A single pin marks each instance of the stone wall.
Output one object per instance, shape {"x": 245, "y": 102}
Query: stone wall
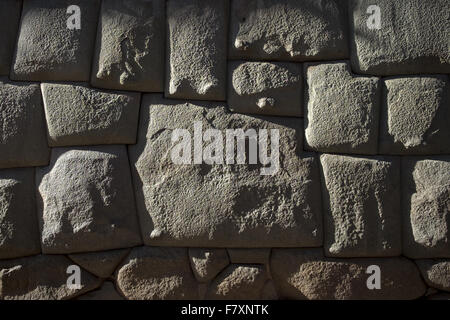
{"x": 91, "y": 93}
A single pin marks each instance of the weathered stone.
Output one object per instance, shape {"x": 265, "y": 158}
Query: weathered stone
{"x": 266, "y": 88}
{"x": 106, "y": 292}
{"x": 196, "y": 39}
{"x": 218, "y": 203}
{"x": 154, "y": 273}
{"x": 436, "y": 273}
{"x": 9, "y": 22}
{"x": 361, "y": 206}
{"x": 47, "y": 49}
{"x": 42, "y": 277}
{"x": 307, "y": 274}
{"x": 19, "y": 233}
{"x": 86, "y": 201}
{"x": 343, "y": 110}
{"x": 130, "y": 44}
{"x": 253, "y": 256}
{"x": 207, "y": 263}
{"x": 412, "y": 38}
{"x": 288, "y": 30}
{"x": 415, "y": 115}
{"x": 79, "y": 115}
{"x": 102, "y": 264}
{"x": 426, "y": 207}
{"x": 23, "y": 140}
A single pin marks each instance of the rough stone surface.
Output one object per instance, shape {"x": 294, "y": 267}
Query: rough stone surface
{"x": 307, "y": 274}
{"x": 106, "y": 292}
{"x": 9, "y": 20}
{"x": 207, "y": 263}
{"x": 426, "y": 207}
{"x": 266, "y": 88}
{"x": 255, "y": 255}
{"x": 79, "y": 115}
{"x": 102, "y": 264}
{"x": 86, "y": 201}
{"x": 361, "y": 206}
{"x": 156, "y": 273}
{"x": 22, "y": 125}
{"x": 130, "y": 44}
{"x": 288, "y": 30}
{"x": 436, "y": 273}
{"x": 343, "y": 110}
{"x": 413, "y": 37}
{"x": 415, "y": 115}
{"x": 47, "y": 49}
{"x": 196, "y": 36}
{"x": 222, "y": 205}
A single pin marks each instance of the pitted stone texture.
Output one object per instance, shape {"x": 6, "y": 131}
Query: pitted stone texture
{"x": 79, "y": 115}
{"x": 288, "y": 30}
{"x": 255, "y": 255}
{"x": 154, "y": 273}
{"x": 42, "y": 277}
{"x": 307, "y": 274}
{"x": 196, "y": 42}
{"x": 361, "y": 206}
{"x": 130, "y": 46}
{"x": 223, "y": 205}
{"x": 426, "y": 207}
{"x": 207, "y": 263}
{"x": 412, "y": 39}
{"x": 19, "y": 233}
{"x": 86, "y": 201}
{"x": 266, "y": 88}
{"x": 415, "y": 115}
{"x": 9, "y": 24}
{"x": 47, "y": 49}
{"x": 343, "y": 110}
{"x": 106, "y": 292}
{"x": 23, "y": 140}
{"x": 436, "y": 273}
{"x": 102, "y": 264}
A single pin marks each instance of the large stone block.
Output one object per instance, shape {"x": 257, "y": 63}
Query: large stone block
{"x": 79, "y": 115}
{"x": 207, "y": 263}
{"x": 196, "y": 42}
{"x": 361, "y": 206}
{"x": 47, "y": 49}
{"x": 209, "y": 202}
{"x": 412, "y": 37}
{"x": 343, "y": 110}
{"x": 436, "y": 273}
{"x": 86, "y": 201}
{"x": 288, "y": 30}
{"x": 130, "y": 46}
{"x": 9, "y": 24}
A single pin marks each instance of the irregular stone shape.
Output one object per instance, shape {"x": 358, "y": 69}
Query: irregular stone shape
{"x": 288, "y": 30}
{"x": 362, "y": 206}
{"x": 415, "y": 115}
{"x": 256, "y": 255}
{"x": 426, "y": 207}
{"x": 9, "y": 20}
{"x": 106, "y": 292}
{"x": 42, "y": 277}
{"x": 436, "y": 273}
{"x": 101, "y": 264}
{"x": 207, "y": 263}
{"x": 154, "y": 273}
{"x": 307, "y": 274}
{"x": 19, "y": 233}
{"x": 343, "y": 110}
{"x": 196, "y": 42}
{"x": 86, "y": 201}
{"x": 47, "y": 49}
{"x": 266, "y": 88}
{"x": 222, "y": 205}
{"x": 79, "y": 115}
{"x": 129, "y": 52}
{"x": 23, "y": 140}
{"x": 412, "y": 38}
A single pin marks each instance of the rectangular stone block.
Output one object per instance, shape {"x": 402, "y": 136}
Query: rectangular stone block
{"x": 9, "y": 24}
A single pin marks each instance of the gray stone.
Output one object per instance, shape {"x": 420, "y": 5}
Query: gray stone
{"x": 79, "y": 115}
{"x": 86, "y": 201}
{"x": 221, "y": 204}
{"x": 47, "y": 49}
{"x": 207, "y": 263}
{"x": 9, "y": 20}
{"x": 426, "y": 207}
{"x": 266, "y": 88}
{"x": 102, "y": 264}
{"x": 288, "y": 30}
{"x": 343, "y": 110}
{"x": 252, "y": 256}
{"x": 436, "y": 273}
{"x": 415, "y": 115}
{"x": 130, "y": 44}
{"x": 412, "y": 39}
{"x": 19, "y": 233}
{"x": 196, "y": 42}
{"x": 106, "y": 292}
{"x": 23, "y": 140}
{"x": 307, "y": 274}
{"x": 153, "y": 273}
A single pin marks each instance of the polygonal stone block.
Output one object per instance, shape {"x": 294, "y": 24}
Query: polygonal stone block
{"x": 435, "y": 272}
{"x": 9, "y": 24}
